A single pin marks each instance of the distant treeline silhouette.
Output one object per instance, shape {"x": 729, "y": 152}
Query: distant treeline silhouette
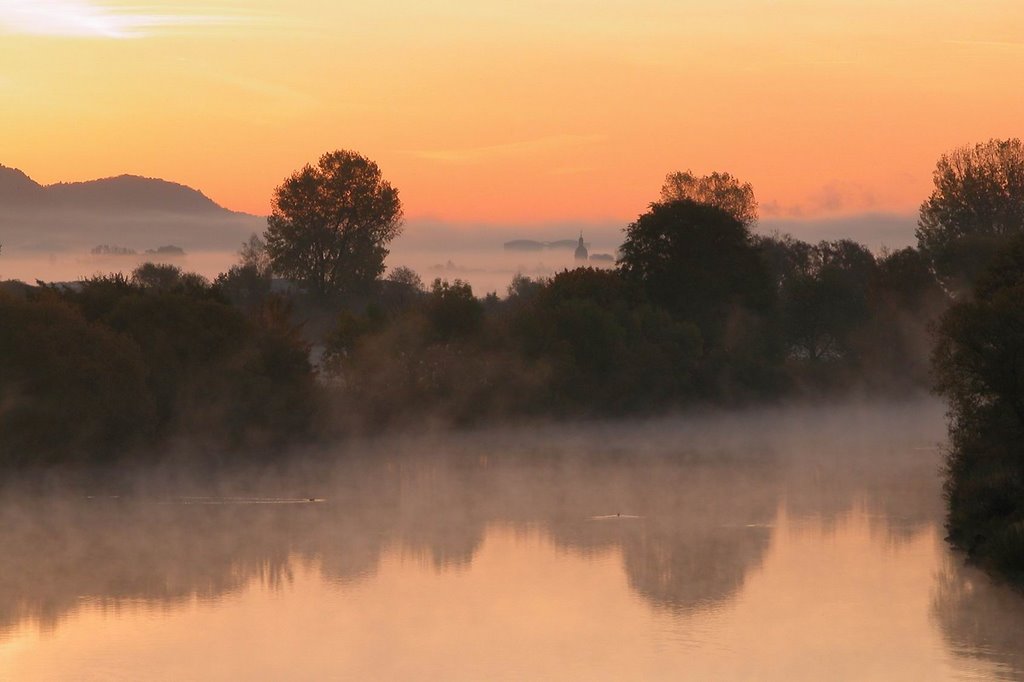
{"x": 699, "y": 310}
{"x": 116, "y": 367}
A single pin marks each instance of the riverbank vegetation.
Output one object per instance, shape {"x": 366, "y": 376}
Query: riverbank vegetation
{"x": 972, "y": 230}
{"x": 979, "y": 362}
{"x": 306, "y": 340}
{"x": 115, "y": 367}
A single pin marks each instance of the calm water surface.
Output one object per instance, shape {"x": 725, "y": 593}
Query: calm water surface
{"x": 778, "y": 545}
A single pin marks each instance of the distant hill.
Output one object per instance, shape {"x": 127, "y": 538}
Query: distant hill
{"x": 126, "y": 209}
{"x": 124, "y": 192}
{"x": 18, "y": 189}
{"x": 131, "y": 192}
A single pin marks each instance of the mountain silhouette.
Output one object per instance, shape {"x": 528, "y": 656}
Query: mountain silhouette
{"x": 127, "y": 210}
{"x": 124, "y": 192}
{"x": 18, "y": 188}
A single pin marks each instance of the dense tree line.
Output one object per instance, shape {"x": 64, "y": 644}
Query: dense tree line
{"x": 711, "y": 314}
{"x": 699, "y": 311}
{"x": 117, "y": 368}
{"x": 304, "y": 339}
{"x": 979, "y": 362}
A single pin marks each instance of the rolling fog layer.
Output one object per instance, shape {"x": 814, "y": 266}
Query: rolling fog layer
{"x": 77, "y": 231}
{"x": 706, "y": 488}
{"x": 692, "y": 505}
{"x": 55, "y": 247}
{"x": 486, "y": 270}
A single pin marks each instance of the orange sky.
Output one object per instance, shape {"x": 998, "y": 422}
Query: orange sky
{"x": 513, "y": 111}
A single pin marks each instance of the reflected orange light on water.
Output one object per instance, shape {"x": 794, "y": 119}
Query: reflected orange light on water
{"x": 839, "y": 601}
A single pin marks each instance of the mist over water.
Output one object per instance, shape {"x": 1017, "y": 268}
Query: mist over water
{"x": 784, "y": 543}
{"x": 58, "y": 249}
{"x": 72, "y": 266}
{"x": 487, "y": 269}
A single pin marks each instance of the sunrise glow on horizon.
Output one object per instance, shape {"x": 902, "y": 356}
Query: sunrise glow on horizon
{"x": 513, "y": 112}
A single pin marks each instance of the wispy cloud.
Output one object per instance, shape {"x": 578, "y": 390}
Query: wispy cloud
{"x": 830, "y": 199}
{"x": 506, "y": 150}
{"x": 95, "y": 19}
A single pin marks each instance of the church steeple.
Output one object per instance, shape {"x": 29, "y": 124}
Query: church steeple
{"x": 581, "y": 250}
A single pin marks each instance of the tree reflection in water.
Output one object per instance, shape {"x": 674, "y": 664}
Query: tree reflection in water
{"x": 979, "y": 618}
{"x": 705, "y": 494}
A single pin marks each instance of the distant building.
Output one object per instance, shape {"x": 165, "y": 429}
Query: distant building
{"x": 581, "y": 250}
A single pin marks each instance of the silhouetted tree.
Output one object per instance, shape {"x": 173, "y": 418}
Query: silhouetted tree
{"x": 165, "y": 277}
{"x": 523, "y": 288}
{"x": 605, "y": 348}
{"x": 253, "y": 254}
{"x": 825, "y": 300}
{"x": 979, "y": 366}
{"x": 245, "y": 286}
{"x": 783, "y": 256}
{"x": 212, "y": 374}
{"x": 70, "y": 390}
{"x": 248, "y": 284}
{"x": 904, "y": 277}
{"x": 699, "y": 262}
{"x": 407, "y": 277}
{"x": 349, "y": 329}
{"x": 402, "y": 288}
{"x": 330, "y": 224}
{"x": 979, "y": 357}
{"x": 452, "y": 309}
{"x": 718, "y": 189}
{"x": 904, "y": 301}
{"x": 978, "y": 202}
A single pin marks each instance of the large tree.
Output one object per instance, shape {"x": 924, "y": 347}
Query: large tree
{"x": 698, "y": 261}
{"x": 825, "y": 300}
{"x": 978, "y": 364}
{"x": 331, "y": 224}
{"x": 718, "y": 189}
{"x": 977, "y": 203}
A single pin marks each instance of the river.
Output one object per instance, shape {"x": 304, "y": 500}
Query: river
{"x": 779, "y": 544}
